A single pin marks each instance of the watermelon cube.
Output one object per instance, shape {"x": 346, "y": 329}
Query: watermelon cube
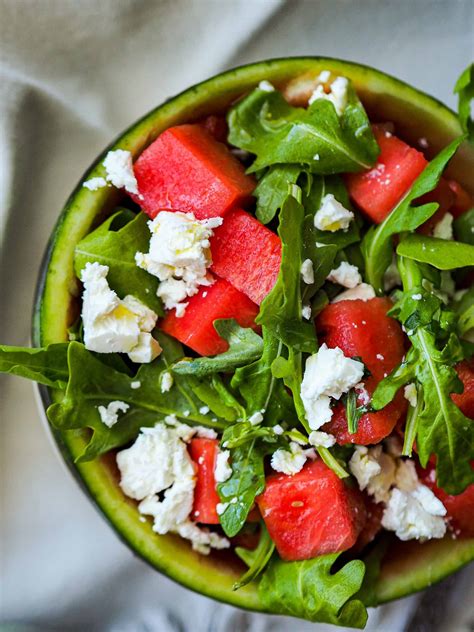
{"x": 186, "y": 169}
{"x": 196, "y": 330}
{"x": 363, "y": 329}
{"x": 247, "y": 254}
{"x": 204, "y": 454}
{"x": 377, "y": 191}
{"x": 311, "y": 513}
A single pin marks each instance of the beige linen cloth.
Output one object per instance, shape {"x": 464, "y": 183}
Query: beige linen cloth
{"x": 74, "y": 73}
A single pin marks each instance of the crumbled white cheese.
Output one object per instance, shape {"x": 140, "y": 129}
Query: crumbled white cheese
{"x": 444, "y": 228}
{"x": 221, "y": 507}
{"x": 392, "y": 276}
{"x": 204, "y": 410}
{"x": 179, "y": 255}
{"x": 337, "y": 95}
{"x": 135, "y": 384}
{"x": 222, "y": 470}
{"x": 119, "y": 168}
{"x": 362, "y": 292}
{"x": 328, "y": 373}
{"x": 109, "y": 414}
{"x": 321, "y": 439}
{"x": 266, "y": 86}
{"x": 415, "y": 515}
{"x": 324, "y": 76}
{"x": 277, "y": 429}
{"x": 93, "y": 184}
{"x": 410, "y": 394}
{"x": 166, "y": 381}
{"x": 362, "y": 393}
{"x": 346, "y": 275}
{"x": 306, "y": 312}
{"x": 288, "y": 461}
{"x": 417, "y": 297}
{"x": 256, "y": 418}
{"x": 332, "y": 215}
{"x": 380, "y": 357}
{"x": 374, "y": 471}
{"x": 112, "y": 325}
{"x": 158, "y": 463}
{"x": 307, "y": 271}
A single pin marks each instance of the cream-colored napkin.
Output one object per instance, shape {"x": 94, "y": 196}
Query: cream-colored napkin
{"x": 73, "y": 74}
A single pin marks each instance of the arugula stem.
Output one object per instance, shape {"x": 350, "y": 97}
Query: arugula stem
{"x": 411, "y": 426}
{"x": 332, "y": 462}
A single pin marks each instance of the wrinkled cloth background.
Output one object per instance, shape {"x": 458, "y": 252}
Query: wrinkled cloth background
{"x": 73, "y": 74}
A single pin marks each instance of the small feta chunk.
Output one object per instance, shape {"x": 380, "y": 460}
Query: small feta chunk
{"x": 374, "y": 471}
{"x": 307, "y": 272}
{"x": 119, "y": 168}
{"x": 417, "y": 297}
{"x": 277, "y": 429}
{"x": 320, "y": 439}
{"x": 415, "y": 515}
{"x": 93, "y": 184}
{"x": 266, "y": 86}
{"x": 392, "y": 278}
{"x": 112, "y": 325}
{"x": 346, "y": 275}
{"x": 256, "y": 418}
{"x": 135, "y": 384}
{"x": 166, "y": 381}
{"x": 288, "y": 461}
{"x": 444, "y": 228}
{"x": 324, "y": 76}
{"x": 222, "y": 470}
{"x": 202, "y": 539}
{"x": 337, "y": 95}
{"x": 109, "y": 414}
{"x": 410, "y": 394}
{"x": 204, "y": 410}
{"x": 362, "y": 292}
{"x": 179, "y": 255}
{"x": 328, "y": 373}
{"x": 332, "y": 215}
{"x": 306, "y": 312}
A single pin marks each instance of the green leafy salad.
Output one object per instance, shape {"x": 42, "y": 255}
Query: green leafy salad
{"x": 275, "y": 342}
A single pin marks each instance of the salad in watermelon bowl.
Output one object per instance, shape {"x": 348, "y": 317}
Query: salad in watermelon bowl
{"x": 254, "y": 336}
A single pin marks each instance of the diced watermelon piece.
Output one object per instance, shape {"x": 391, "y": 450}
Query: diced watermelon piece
{"x": 204, "y": 454}
{"x": 460, "y": 508}
{"x": 247, "y": 254}
{"x": 463, "y": 201}
{"x": 363, "y": 329}
{"x": 196, "y": 330}
{"x": 465, "y": 400}
{"x": 373, "y": 524}
{"x": 377, "y": 191}
{"x": 444, "y": 197}
{"x": 311, "y": 513}
{"x": 186, "y": 169}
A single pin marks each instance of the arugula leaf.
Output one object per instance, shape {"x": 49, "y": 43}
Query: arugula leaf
{"x": 260, "y": 389}
{"x": 465, "y": 313}
{"x": 272, "y": 190}
{"x": 91, "y": 384}
{"x": 244, "y": 347}
{"x": 464, "y": 88}
{"x": 441, "y": 428}
{"x": 264, "y": 124}
{"x": 46, "y": 365}
{"x": 114, "y": 244}
{"x": 440, "y": 253}
{"x": 311, "y": 590}
{"x": 257, "y": 559}
{"x": 246, "y": 482}
{"x": 390, "y": 385}
{"x": 377, "y": 243}
{"x": 244, "y": 432}
{"x": 464, "y": 227}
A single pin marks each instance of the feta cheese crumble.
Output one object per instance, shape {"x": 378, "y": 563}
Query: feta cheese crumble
{"x": 288, "y": 461}
{"x": 332, "y": 215}
{"x": 136, "y": 384}
{"x": 277, "y": 429}
{"x": 320, "y": 439}
{"x": 306, "y": 312}
{"x": 362, "y": 292}
{"x": 166, "y": 382}
{"x": 444, "y": 228}
{"x": 410, "y": 394}
{"x": 158, "y": 471}
{"x": 307, "y": 271}
{"x": 222, "y": 470}
{"x": 94, "y": 184}
{"x": 328, "y": 374}
{"x": 256, "y": 418}
{"x": 346, "y": 275}
{"x": 119, "y": 168}
{"x": 179, "y": 255}
{"x": 204, "y": 410}
{"x": 337, "y": 94}
{"x": 112, "y": 325}
{"x": 109, "y": 414}
{"x": 374, "y": 471}
{"x": 266, "y": 86}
